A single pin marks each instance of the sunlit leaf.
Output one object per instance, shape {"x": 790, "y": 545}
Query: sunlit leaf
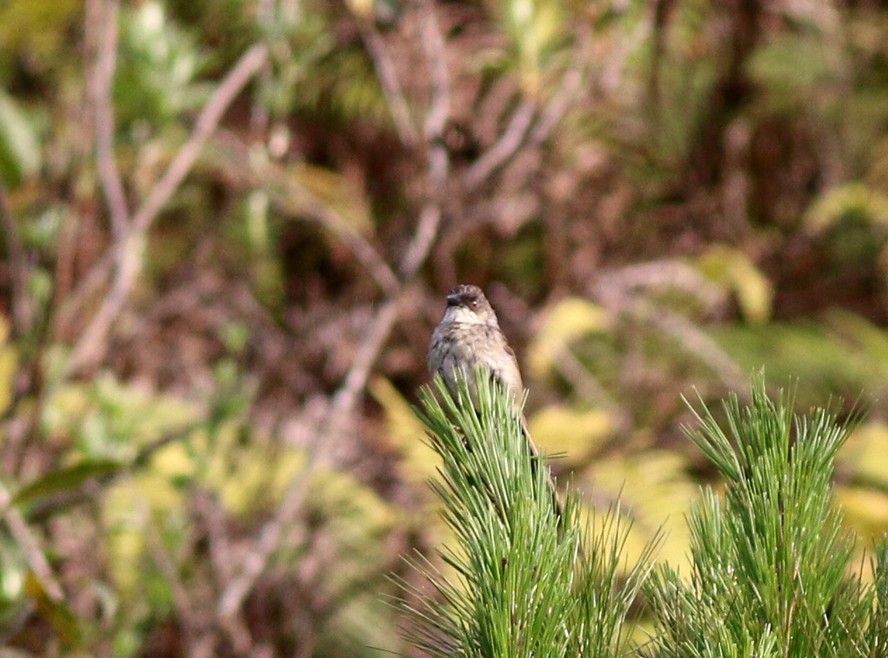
{"x": 535, "y": 28}
{"x": 865, "y": 510}
{"x": 363, "y": 9}
{"x": 655, "y": 493}
{"x": 8, "y": 367}
{"x": 577, "y": 433}
{"x": 113, "y": 420}
{"x": 39, "y": 32}
{"x": 568, "y": 320}
{"x": 733, "y": 268}
{"x": 866, "y": 453}
{"x": 334, "y": 189}
{"x": 405, "y": 432}
{"x": 848, "y": 201}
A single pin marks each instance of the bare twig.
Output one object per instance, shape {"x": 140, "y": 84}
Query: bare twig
{"x": 21, "y": 311}
{"x": 589, "y": 388}
{"x": 128, "y": 250}
{"x": 246, "y": 67}
{"x": 557, "y": 107}
{"x": 102, "y": 79}
{"x": 694, "y": 341}
{"x": 298, "y": 199}
{"x": 269, "y": 541}
{"x": 437, "y": 161}
{"x": 345, "y": 399}
{"x": 88, "y": 286}
{"x": 287, "y": 194}
{"x": 391, "y": 85}
{"x": 617, "y": 288}
{"x": 624, "y": 291}
{"x": 519, "y": 131}
{"x": 504, "y": 148}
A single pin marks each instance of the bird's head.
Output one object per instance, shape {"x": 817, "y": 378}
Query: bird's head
{"x": 468, "y": 304}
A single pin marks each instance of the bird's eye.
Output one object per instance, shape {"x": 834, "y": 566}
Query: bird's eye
{"x": 474, "y": 303}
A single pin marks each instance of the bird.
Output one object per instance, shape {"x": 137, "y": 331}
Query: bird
{"x": 468, "y": 337}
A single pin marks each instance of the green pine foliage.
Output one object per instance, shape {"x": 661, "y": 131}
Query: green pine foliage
{"x": 524, "y": 581}
{"x": 771, "y": 573}
{"x": 770, "y": 558}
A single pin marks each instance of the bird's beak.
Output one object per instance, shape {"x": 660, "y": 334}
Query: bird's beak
{"x": 453, "y": 299}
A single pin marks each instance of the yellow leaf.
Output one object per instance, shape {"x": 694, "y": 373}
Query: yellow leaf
{"x": 734, "y": 269}
{"x": 8, "y": 366}
{"x": 851, "y": 199}
{"x": 405, "y": 432}
{"x": 865, "y": 452}
{"x": 655, "y": 492}
{"x": 360, "y": 8}
{"x": 866, "y": 511}
{"x": 569, "y": 319}
{"x": 576, "y": 432}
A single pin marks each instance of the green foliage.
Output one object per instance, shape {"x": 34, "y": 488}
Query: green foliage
{"x": 770, "y": 559}
{"x": 691, "y": 180}
{"x": 528, "y": 581}
{"x": 159, "y": 66}
{"x": 793, "y": 68}
{"x": 536, "y": 30}
{"x": 851, "y": 353}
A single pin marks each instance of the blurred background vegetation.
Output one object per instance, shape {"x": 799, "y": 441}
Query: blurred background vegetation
{"x": 228, "y": 227}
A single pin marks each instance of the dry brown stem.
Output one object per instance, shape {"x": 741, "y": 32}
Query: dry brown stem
{"x": 128, "y": 248}
{"x": 341, "y": 408}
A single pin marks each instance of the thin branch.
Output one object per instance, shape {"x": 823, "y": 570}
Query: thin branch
{"x": 588, "y": 387}
{"x": 556, "y": 108}
{"x": 516, "y": 133}
{"x": 250, "y": 63}
{"x": 436, "y": 60}
{"x": 128, "y": 250}
{"x": 30, "y": 547}
{"x": 437, "y": 160}
{"x": 345, "y": 399}
{"x": 87, "y": 287}
{"x": 391, "y": 85}
{"x": 504, "y": 148}
{"x": 102, "y": 82}
{"x": 291, "y": 197}
{"x": 694, "y": 341}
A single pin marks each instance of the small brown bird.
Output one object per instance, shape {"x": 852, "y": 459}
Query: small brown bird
{"x": 469, "y": 336}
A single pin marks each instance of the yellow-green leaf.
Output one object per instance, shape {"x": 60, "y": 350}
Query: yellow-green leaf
{"x": 575, "y": 432}
{"x": 849, "y": 200}
{"x": 734, "y": 269}
{"x": 8, "y": 366}
{"x": 405, "y": 432}
{"x": 568, "y": 320}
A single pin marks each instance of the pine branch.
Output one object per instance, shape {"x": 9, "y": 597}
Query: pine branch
{"x": 523, "y": 581}
{"x": 769, "y": 558}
